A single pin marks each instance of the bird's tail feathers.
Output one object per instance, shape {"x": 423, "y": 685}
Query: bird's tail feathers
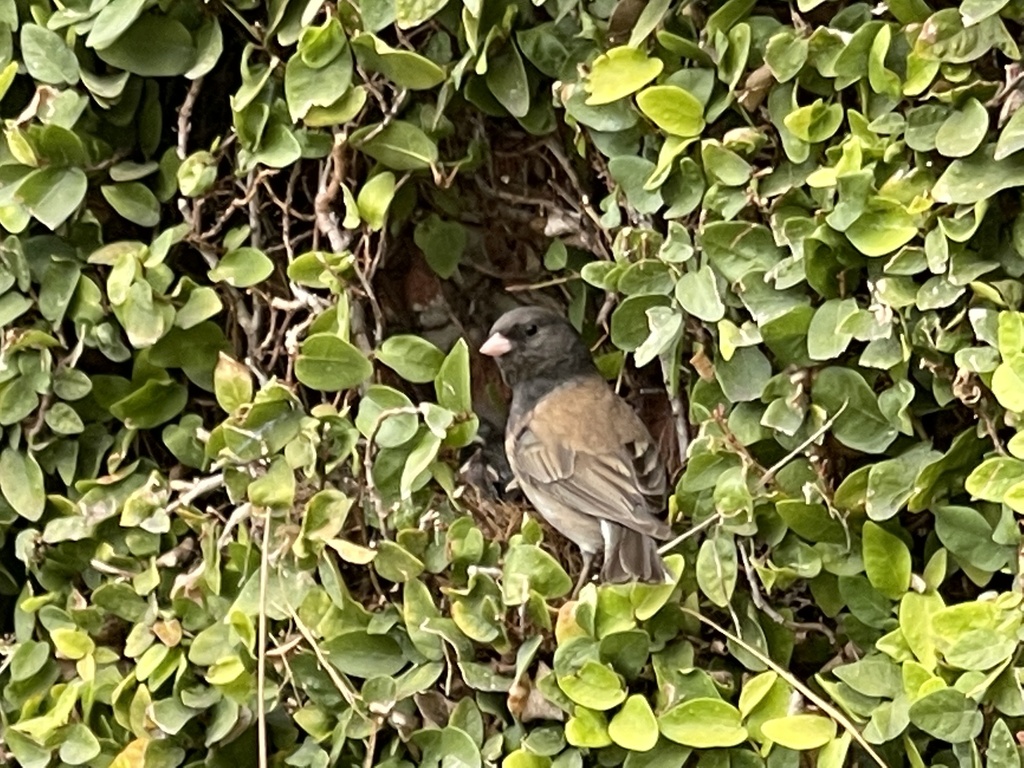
{"x": 631, "y": 556}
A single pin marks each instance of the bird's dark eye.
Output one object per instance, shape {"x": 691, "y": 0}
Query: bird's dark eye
{"x": 531, "y": 330}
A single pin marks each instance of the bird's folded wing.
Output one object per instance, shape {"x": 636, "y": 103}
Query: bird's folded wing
{"x": 622, "y": 485}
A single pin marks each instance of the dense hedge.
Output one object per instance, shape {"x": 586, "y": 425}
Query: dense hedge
{"x": 249, "y": 249}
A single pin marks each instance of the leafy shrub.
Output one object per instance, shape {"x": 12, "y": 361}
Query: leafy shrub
{"x": 231, "y": 522}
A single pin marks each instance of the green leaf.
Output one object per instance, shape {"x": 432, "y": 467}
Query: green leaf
{"x": 617, "y": 116}
{"x": 7, "y": 75}
{"x": 413, "y": 358}
{"x": 399, "y": 145}
{"x": 882, "y": 79}
{"x": 923, "y": 124}
{"x": 452, "y": 387}
{"x": 47, "y": 57}
{"x": 276, "y": 488}
{"x": 963, "y": 131}
{"x": 825, "y": 338}
{"x": 112, "y": 21}
{"x": 330, "y": 364}
{"x": 506, "y": 79}
{"x": 242, "y": 268}
{"x": 737, "y": 249}
{"x": 975, "y": 635}
{"x": 991, "y": 479}
{"x": 618, "y": 73}
{"x": 631, "y": 173}
{"x": 973, "y": 11}
{"x": 387, "y": 431}
{"x": 360, "y": 654}
{"x": 134, "y": 50}
{"x": 755, "y": 690}
{"x": 916, "y": 613}
{"x": 232, "y": 383}
{"x": 145, "y": 318}
{"x": 63, "y": 420}
{"x": 946, "y": 37}
{"x": 980, "y": 176}
{"x": 861, "y": 425}
{"x": 968, "y": 535}
{"x": 704, "y": 723}
{"x": 341, "y": 111}
{"x": 152, "y": 404}
{"x": 884, "y": 226}
{"x": 816, "y": 122}
{"x": 947, "y": 715}
{"x": 78, "y": 745}
{"x": 53, "y": 194}
{"x": 723, "y": 166}
{"x": 673, "y": 109}
{"x": 528, "y": 567}
{"x": 745, "y": 375}
{"x": 666, "y": 328}
{"x": 202, "y": 304}
{"x": 374, "y": 199}
{"x": 1008, "y": 383}
{"x": 307, "y": 86}
{"x": 800, "y": 732}
{"x": 630, "y": 325}
{"x": 886, "y": 561}
{"x": 1010, "y": 333}
{"x": 594, "y": 686}
{"x": 21, "y": 482}
{"x": 728, "y": 15}
{"x": 442, "y": 242}
{"x": 786, "y": 54}
{"x": 520, "y": 758}
{"x": 648, "y": 20}
{"x": 587, "y": 729}
{"x": 28, "y": 658}
{"x": 412, "y": 13}
{"x": 196, "y": 174}
{"x": 407, "y": 69}
{"x": 1011, "y": 138}
{"x": 717, "y": 569}
{"x": 394, "y": 563}
{"x": 1002, "y": 748}
{"x": 134, "y": 201}
{"x": 634, "y": 727}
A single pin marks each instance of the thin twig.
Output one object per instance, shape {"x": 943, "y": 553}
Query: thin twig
{"x": 198, "y": 488}
{"x": 185, "y": 116}
{"x": 330, "y": 185}
{"x": 543, "y": 284}
{"x": 256, "y": 181}
{"x": 786, "y": 675}
{"x": 371, "y": 486}
{"x": 718, "y": 416}
{"x": 665, "y": 548}
{"x": 371, "y": 745}
{"x": 670, "y": 372}
{"x": 261, "y": 648}
{"x": 755, "y": 589}
{"x": 347, "y": 691}
{"x": 190, "y": 211}
{"x": 774, "y": 468}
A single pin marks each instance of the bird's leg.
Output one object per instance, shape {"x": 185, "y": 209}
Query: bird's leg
{"x": 588, "y": 561}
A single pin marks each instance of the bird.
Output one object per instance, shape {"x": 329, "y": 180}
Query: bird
{"x": 578, "y": 451}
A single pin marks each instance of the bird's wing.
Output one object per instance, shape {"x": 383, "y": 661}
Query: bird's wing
{"x": 586, "y": 448}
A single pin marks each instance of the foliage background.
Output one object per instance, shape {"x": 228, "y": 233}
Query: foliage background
{"x": 253, "y": 500}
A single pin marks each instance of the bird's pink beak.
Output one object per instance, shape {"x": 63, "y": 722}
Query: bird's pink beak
{"x": 496, "y": 346}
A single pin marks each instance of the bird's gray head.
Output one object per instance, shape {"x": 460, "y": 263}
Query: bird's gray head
{"x": 536, "y": 343}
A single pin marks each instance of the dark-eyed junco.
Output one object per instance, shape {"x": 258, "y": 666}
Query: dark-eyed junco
{"x": 579, "y": 452}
